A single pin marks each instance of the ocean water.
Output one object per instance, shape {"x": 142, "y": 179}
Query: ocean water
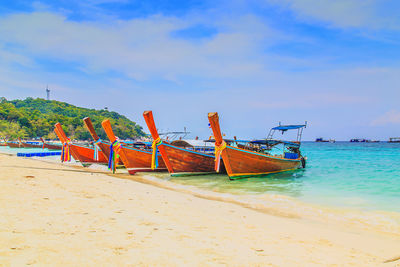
{"x": 364, "y": 176}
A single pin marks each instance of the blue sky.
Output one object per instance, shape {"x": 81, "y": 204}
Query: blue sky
{"x": 258, "y": 62}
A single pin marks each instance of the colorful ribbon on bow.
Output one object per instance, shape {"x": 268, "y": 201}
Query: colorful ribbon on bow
{"x": 154, "y": 156}
{"x": 65, "y": 151}
{"x": 114, "y": 155}
{"x": 96, "y": 150}
{"x": 218, "y": 152}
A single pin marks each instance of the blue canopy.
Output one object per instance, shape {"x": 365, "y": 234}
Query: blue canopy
{"x": 288, "y": 127}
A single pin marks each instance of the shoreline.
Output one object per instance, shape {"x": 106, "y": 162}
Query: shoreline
{"x": 384, "y": 222}
{"x": 210, "y": 231}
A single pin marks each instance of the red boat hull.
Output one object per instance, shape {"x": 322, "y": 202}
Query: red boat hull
{"x": 139, "y": 160}
{"x": 85, "y": 154}
{"x": 187, "y": 161}
{"x": 242, "y": 163}
{"x": 52, "y": 147}
{"x": 27, "y": 145}
{"x": 14, "y": 145}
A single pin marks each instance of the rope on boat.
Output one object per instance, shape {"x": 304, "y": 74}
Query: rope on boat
{"x": 65, "y": 151}
{"x": 96, "y": 150}
{"x": 114, "y": 155}
{"x": 218, "y": 152}
{"x": 154, "y": 156}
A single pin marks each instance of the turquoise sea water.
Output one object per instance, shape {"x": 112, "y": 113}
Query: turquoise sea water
{"x": 364, "y": 176}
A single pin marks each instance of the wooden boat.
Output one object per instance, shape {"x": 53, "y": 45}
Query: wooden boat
{"x": 249, "y": 160}
{"x": 135, "y": 159}
{"x": 13, "y": 144}
{"x": 104, "y": 146}
{"x": 4, "y": 142}
{"x": 29, "y": 145}
{"x": 85, "y": 155}
{"x": 179, "y": 160}
{"x": 394, "y": 140}
{"x": 50, "y": 146}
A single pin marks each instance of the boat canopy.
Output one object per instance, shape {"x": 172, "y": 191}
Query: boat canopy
{"x": 288, "y": 127}
{"x": 284, "y": 128}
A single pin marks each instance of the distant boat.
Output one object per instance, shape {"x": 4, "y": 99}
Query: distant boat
{"x": 394, "y": 140}
{"x": 320, "y": 139}
{"x": 29, "y": 144}
{"x": 50, "y": 146}
{"x": 358, "y": 140}
{"x": 14, "y": 144}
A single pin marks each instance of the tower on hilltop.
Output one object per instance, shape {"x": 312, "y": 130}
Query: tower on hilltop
{"x": 48, "y": 92}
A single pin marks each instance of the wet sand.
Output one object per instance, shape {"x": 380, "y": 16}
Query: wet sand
{"x": 52, "y": 214}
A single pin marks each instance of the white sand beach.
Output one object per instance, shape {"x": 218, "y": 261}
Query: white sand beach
{"x": 56, "y": 215}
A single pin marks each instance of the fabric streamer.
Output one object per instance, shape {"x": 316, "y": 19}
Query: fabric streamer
{"x": 114, "y": 155}
{"x": 96, "y": 150}
{"x": 218, "y": 152}
{"x": 154, "y": 156}
{"x": 65, "y": 151}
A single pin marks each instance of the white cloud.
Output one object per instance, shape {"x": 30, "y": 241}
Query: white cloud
{"x": 140, "y": 48}
{"x": 372, "y": 14}
{"x": 390, "y": 117}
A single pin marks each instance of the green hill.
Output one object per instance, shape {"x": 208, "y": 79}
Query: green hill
{"x": 31, "y": 118}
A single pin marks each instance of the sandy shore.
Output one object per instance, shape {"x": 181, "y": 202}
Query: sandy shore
{"x": 58, "y": 215}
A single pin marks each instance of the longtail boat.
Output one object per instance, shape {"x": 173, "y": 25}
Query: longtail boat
{"x": 85, "y": 155}
{"x": 104, "y": 146}
{"x": 179, "y": 160}
{"x": 254, "y": 158}
{"x": 29, "y": 145}
{"x": 14, "y": 144}
{"x": 50, "y": 146}
{"x": 135, "y": 159}
{"x": 4, "y": 143}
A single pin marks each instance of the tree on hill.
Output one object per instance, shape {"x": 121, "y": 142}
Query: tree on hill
{"x": 31, "y": 118}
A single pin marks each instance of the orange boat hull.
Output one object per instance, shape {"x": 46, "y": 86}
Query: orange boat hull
{"x": 86, "y": 154}
{"x": 243, "y": 163}
{"x": 52, "y": 147}
{"x": 139, "y": 160}
{"x": 187, "y": 161}
{"x": 13, "y": 145}
{"x": 26, "y": 145}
